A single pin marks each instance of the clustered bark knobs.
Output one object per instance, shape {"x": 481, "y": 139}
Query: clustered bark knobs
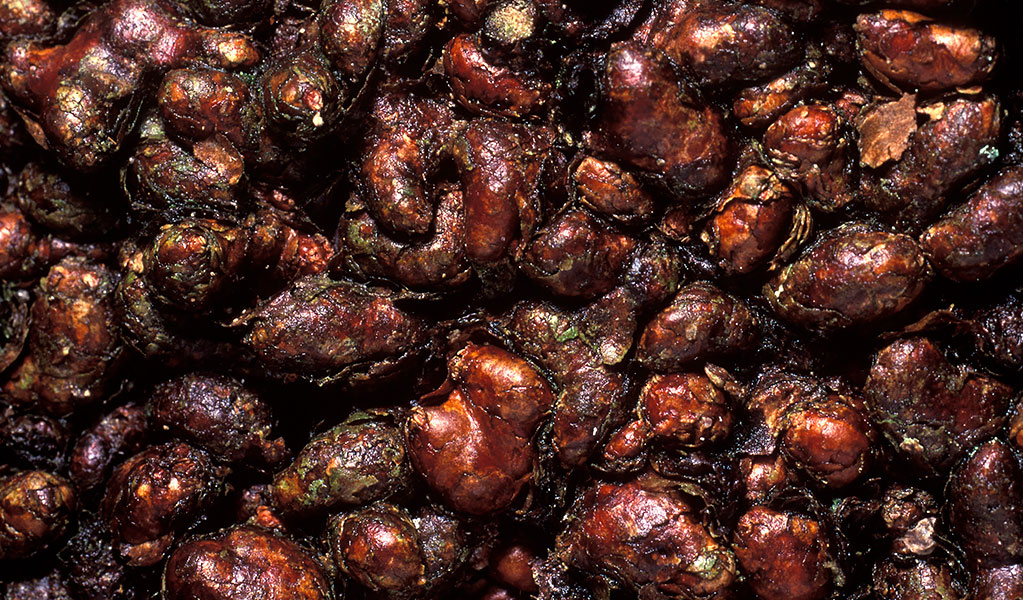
{"x": 507, "y": 299}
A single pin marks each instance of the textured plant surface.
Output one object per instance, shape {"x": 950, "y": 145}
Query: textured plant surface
{"x": 511, "y": 299}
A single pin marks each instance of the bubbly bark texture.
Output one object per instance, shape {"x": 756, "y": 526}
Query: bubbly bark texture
{"x": 979, "y": 237}
{"x": 244, "y": 563}
{"x": 85, "y": 117}
{"x": 220, "y": 415}
{"x": 74, "y": 345}
{"x": 985, "y": 499}
{"x": 649, "y": 123}
{"x": 35, "y": 511}
{"x": 321, "y": 327}
{"x": 702, "y": 322}
{"x": 955, "y": 144}
{"x": 154, "y": 495}
{"x": 648, "y": 538}
{"x": 854, "y": 277}
{"x": 359, "y": 461}
{"x": 914, "y": 52}
{"x": 750, "y": 221}
{"x": 726, "y": 44}
{"x": 784, "y": 555}
{"x": 476, "y": 448}
{"x": 931, "y": 410}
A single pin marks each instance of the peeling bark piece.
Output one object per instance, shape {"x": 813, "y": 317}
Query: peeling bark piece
{"x": 885, "y": 131}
